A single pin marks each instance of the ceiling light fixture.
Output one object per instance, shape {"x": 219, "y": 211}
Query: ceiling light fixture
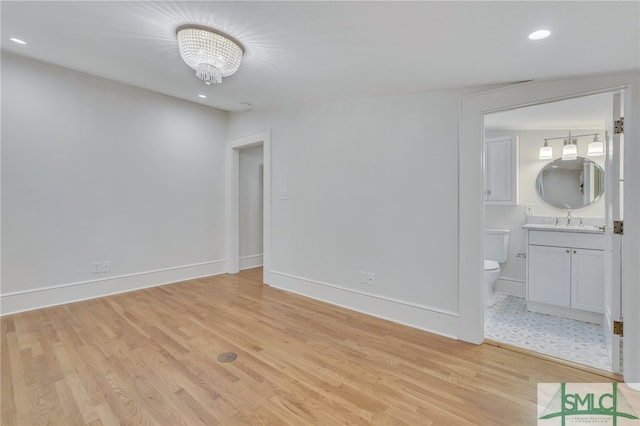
{"x": 539, "y": 35}
{"x": 595, "y": 148}
{"x": 210, "y": 53}
{"x": 546, "y": 152}
{"x": 202, "y": 96}
{"x": 17, "y": 40}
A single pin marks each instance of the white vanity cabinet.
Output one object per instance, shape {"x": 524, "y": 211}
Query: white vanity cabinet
{"x": 565, "y": 273}
{"x": 501, "y": 170}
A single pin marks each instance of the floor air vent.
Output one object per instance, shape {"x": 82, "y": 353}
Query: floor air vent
{"x": 227, "y": 357}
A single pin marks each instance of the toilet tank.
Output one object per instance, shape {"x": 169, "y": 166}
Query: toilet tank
{"x": 496, "y": 244}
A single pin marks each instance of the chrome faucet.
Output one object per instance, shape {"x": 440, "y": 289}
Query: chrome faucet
{"x": 568, "y": 217}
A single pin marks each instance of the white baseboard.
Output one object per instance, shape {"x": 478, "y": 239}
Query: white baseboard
{"x": 248, "y": 262}
{"x": 511, "y": 286}
{"x": 422, "y": 317}
{"x": 74, "y": 292}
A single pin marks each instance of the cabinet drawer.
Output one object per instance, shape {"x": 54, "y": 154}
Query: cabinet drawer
{"x": 567, "y": 239}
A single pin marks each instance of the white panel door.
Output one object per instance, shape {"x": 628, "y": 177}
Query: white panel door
{"x": 587, "y": 280}
{"x": 501, "y": 170}
{"x": 550, "y": 275}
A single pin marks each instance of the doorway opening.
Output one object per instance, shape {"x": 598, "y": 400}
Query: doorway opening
{"x": 251, "y": 207}
{"x": 248, "y": 203}
{"x": 550, "y": 294}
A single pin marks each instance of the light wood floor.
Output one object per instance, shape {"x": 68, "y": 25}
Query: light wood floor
{"x": 149, "y": 357}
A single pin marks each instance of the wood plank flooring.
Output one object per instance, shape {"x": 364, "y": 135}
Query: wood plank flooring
{"x": 150, "y": 358}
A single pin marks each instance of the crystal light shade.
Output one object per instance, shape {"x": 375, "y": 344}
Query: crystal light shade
{"x": 211, "y": 54}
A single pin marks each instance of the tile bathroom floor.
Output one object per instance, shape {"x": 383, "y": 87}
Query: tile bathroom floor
{"x": 508, "y": 321}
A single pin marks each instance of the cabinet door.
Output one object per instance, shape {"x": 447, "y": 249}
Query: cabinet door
{"x": 501, "y": 170}
{"x": 549, "y": 275}
{"x": 587, "y": 280}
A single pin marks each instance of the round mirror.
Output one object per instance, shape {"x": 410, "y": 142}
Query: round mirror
{"x": 570, "y": 184}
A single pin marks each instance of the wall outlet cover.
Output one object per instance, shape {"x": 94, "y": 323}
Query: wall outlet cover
{"x": 371, "y": 278}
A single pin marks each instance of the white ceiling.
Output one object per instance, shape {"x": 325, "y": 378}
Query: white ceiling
{"x": 302, "y": 52}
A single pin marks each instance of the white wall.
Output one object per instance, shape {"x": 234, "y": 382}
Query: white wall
{"x": 513, "y": 217}
{"x": 371, "y": 185}
{"x": 94, "y": 170}
{"x": 251, "y": 167}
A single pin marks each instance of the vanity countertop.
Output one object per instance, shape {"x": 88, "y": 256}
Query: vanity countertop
{"x": 563, "y": 228}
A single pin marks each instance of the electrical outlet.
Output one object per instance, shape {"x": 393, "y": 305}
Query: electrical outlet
{"x": 101, "y": 267}
{"x": 105, "y": 266}
{"x": 528, "y": 208}
{"x": 371, "y": 278}
{"x": 363, "y": 277}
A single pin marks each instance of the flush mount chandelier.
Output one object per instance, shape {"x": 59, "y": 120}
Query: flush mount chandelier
{"x": 209, "y": 52}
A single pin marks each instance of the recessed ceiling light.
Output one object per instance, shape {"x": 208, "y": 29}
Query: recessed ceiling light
{"x": 17, "y": 40}
{"x": 539, "y": 35}
{"x": 202, "y": 96}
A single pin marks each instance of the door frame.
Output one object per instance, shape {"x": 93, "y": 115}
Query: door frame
{"x": 613, "y": 243}
{"x": 232, "y": 201}
{"x": 471, "y": 200}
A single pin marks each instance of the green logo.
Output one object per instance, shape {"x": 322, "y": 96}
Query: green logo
{"x": 612, "y": 404}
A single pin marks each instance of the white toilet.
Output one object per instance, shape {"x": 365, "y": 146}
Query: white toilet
{"x": 496, "y": 246}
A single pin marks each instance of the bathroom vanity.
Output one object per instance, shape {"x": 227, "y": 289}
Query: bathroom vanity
{"x": 565, "y": 271}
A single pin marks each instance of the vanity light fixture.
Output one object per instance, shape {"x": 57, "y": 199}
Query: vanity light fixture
{"x": 209, "y": 52}
{"x": 546, "y": 152}
{"x": 570, "y": 147}
{"x": 595, "y": 148}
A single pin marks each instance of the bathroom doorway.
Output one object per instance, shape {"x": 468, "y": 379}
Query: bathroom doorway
{"x": 542, "y": 218}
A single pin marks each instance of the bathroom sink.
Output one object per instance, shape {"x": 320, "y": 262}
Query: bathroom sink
{"x": 564, "y": 228}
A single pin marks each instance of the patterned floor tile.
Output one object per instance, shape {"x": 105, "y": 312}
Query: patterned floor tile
{"x": 508, "y": 321}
